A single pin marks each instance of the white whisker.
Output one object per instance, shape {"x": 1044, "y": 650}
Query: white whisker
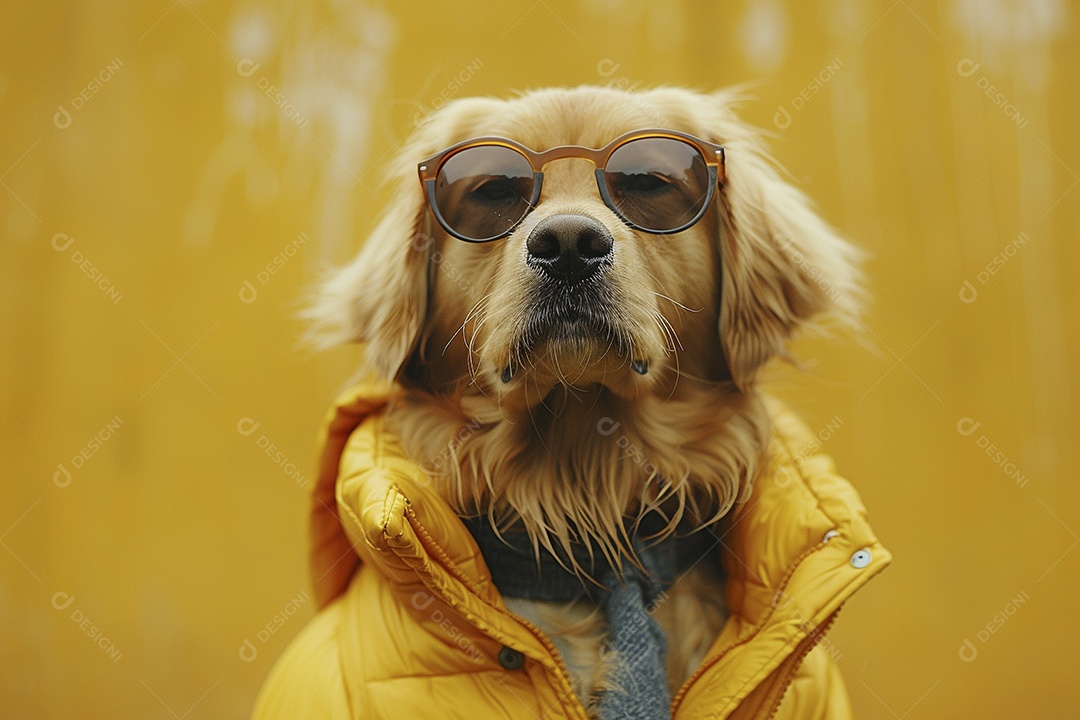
{"x": 676, "y": 302}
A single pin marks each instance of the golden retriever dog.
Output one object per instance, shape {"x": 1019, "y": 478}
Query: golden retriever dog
{"x": 575, "y": 299}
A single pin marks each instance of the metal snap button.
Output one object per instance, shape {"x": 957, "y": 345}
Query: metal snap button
{"x": 861, "y": 558}
{"x": 511, "y": 659}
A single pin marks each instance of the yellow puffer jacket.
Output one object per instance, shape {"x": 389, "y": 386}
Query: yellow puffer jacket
{"x": 410, "y": 625}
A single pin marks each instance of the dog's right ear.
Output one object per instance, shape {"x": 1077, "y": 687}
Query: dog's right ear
{"x": 783, "y": 267}
{"x": 380, "y": 298}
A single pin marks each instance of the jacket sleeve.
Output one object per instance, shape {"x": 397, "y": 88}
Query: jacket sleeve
{"x": 306, "y": 681}
{"x": 817, "y": 692}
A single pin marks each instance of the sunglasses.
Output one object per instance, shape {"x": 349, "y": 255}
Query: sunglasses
{"x": 657, "y": 181}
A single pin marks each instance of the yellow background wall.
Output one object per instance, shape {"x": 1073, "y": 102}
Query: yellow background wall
{"x": 178, "y": 180}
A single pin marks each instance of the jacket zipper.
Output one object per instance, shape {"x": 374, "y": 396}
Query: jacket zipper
{"x": 541, "y": 637}
{"x": 808, "y": 644}
{"x": 553, "y": 651}
{"x": 710, "y": 661}
{"x": 560, "y": 665}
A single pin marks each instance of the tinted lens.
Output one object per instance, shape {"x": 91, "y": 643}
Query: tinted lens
{"x": 483, "y": 191}
{"x": 658, "y": 184}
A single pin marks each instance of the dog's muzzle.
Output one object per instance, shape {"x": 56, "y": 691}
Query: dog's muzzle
{"x": 572, "y": 301}
{"x": 570, "y": 248}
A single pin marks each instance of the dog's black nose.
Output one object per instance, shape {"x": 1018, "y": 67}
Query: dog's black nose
{"x": 569, "y": 248}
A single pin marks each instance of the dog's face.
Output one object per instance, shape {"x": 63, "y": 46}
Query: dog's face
{"x": 573, "y": 296}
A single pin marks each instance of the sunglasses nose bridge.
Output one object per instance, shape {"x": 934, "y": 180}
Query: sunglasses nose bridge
{"x": 570, "y": 177}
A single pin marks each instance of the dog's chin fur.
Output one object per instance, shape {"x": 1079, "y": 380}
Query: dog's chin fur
{"x": 572, "y": 467}
{"x": 524, "y": 411}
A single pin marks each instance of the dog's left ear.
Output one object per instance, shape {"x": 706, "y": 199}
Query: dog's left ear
{"x": 380, "y": 298}
{"x": 782, "y": 266}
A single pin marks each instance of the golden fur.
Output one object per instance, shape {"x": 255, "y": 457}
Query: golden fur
{"x": 576, "y": 441}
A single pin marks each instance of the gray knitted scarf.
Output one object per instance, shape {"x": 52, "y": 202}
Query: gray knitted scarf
{"x": 636, "y": 645}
